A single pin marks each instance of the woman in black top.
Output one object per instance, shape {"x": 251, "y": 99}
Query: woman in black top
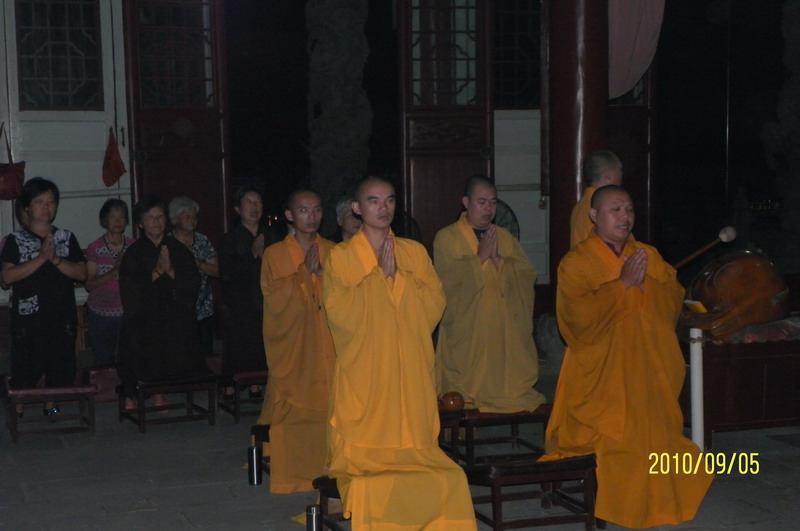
{"x": 41, "y": 263}
{"x": 159, "y": 283}
{"x": 240, "y": 272}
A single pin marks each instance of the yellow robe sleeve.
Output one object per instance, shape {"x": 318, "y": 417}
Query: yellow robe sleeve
{"x": 580, "y": 226}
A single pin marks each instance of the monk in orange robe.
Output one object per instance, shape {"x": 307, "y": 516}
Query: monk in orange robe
{"x": 299, "y": 347}
{"x": 617, "y": 396}
{"x": 485, "y": 349}
{"x": 600, "y": 168}
{"x": 383, "y": 300}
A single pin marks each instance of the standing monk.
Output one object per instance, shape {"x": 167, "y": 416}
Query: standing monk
{"x": 486, "y": 350}
{"x": 384, "y": 300}
{"x": 600, "y": 168}
{"x": 299, "y": 348}
{"x": 617, "y": 395}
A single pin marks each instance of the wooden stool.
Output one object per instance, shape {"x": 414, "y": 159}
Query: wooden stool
{"x": 548, "y": 474}
{"x": 326, "y": 486}
{"x": 474, "y": 419}
{"x": 83, "y": 395}
{"x": 239, "y": 381}
{"x": 187, "y": 386}
{"x": 449, "y": 421}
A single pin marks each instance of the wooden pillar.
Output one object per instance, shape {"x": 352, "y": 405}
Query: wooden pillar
{"x": 578, "y": 92}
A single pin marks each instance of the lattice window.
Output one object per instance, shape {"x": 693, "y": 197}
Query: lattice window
{"x": 444, "y": 53}
{"x": 516, "y": 63}
{"x": 59, "y": 55}
{"x": 175, "y": 47}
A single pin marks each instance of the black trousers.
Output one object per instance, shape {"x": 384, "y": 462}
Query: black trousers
{"x": 43, "y": 345}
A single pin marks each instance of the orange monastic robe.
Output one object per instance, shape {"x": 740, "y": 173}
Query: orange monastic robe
{"x": 486, "y": 350}
{"x": 300, "y": 359}
{"x": 384, "y": 421}
{"x": 580, "y": 226}
{"x": 617, "y": 393}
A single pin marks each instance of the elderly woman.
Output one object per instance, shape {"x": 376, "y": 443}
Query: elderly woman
{"x": 347, "y": 220}
{"x": 183, "y": 217}
{"x": 104, "y": 258}
{"x": 159, "y": 283}
{"x": 42, "y": 263}
{"x": 240, "y": 272}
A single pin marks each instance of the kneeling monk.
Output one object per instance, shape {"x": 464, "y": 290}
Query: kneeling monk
{"x": 617, "y": 395}
{"x": 383, "y": 300}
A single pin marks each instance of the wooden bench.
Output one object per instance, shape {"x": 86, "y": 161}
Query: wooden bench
{"x": 83, "y": 395}
{"x": 471, "y": 420}
{"x": 548, "y": 476}
{"x": 186, "y": 386}
{"x": 241, "y": 381}
{"x": 449, "y": 421}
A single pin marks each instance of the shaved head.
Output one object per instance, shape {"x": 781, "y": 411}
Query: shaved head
{"x": 602, "y": 167}
{"x": 597, "y": 198}
{"x": 475, "y": 181}
{"x": 363, "y": 183}
{"x": 292, "y": 199}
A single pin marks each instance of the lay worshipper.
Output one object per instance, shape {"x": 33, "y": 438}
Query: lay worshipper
{"x": 600, "y": 168}
{"x": 299, "y": 349}
{"x": 159, "y": 283}
{"x": 346, "y": 219}
{"x": 485, "y": 349}
{"x": 383, "y": 300}
{"x": 42, "y": 263}
{"x": 240, "y": 257}
{"x": 617, "y": 395}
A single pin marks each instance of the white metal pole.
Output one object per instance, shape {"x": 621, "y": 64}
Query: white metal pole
{"x": 696, "y": 382}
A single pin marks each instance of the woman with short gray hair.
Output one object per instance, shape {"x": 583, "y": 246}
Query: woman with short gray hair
{"x": 183, "y": 213}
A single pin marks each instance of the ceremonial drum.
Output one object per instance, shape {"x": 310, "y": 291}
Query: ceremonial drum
{"x": 737, "y": 289}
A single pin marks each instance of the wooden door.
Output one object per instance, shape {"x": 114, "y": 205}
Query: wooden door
{"x": 62, "y": 86}
{"x": 446, "y": 117}
{"x": 177, "y": 102}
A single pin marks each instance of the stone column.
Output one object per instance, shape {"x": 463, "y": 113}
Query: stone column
{"x": 339, "y": 114}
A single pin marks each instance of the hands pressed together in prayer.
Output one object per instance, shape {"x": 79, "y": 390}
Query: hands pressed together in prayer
{"x": 487, "y": 246}
{"x": 164, "y": 264}
{"x": 386, "y": 257}
{"x": 313, "y": 265}
{"x": 633, "y": 269}
{"x": 48, "y": 250}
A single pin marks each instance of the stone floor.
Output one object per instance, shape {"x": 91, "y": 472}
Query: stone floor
{"x": 191, "y": 476}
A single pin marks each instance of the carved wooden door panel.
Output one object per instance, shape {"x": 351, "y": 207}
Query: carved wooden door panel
{"x": 178, "y": 113}
{"x": 446, "y": 118}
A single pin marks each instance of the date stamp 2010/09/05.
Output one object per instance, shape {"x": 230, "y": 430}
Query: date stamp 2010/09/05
{"x": 703, "y": 463}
